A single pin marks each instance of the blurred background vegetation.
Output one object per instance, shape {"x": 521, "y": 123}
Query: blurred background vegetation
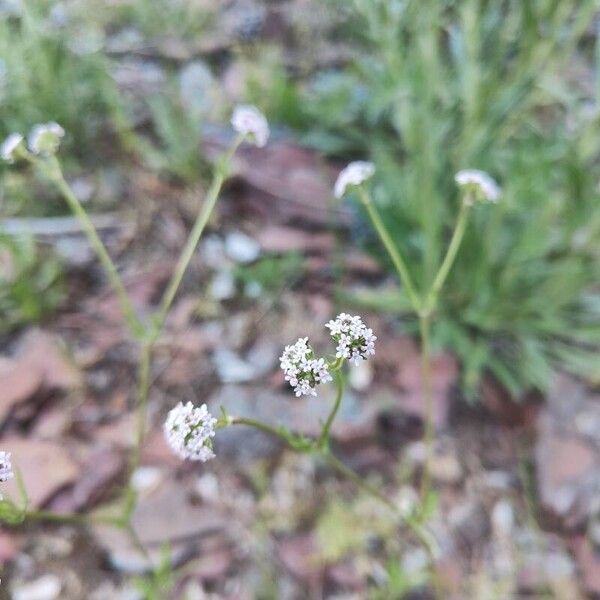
{"x": 422, "y": 88}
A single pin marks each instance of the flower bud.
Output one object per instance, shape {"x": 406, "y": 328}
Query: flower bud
{"x": 44, "y": 138}
{"x": 354, "y": 174}
{"x": 478, "y": 185}
{"x": 248, "y": 120}
{"x": 12, "y": 147}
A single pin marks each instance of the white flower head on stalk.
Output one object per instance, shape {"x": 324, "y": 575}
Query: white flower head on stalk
{"x": 12, "y": 146}
{"x": 45, "y": 138}
{"x": 354, "y": 174}
{"x": 189, "y": 431}
{"x": 248, "y": 120}
{"x": 6, "y": 471}
{"x": 302, "y": 369}
{"x": 480, "y": 184}
{"x": 355, "y": 341}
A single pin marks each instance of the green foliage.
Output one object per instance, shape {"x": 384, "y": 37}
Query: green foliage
{"x": 344, "y": 528}
{"x": 399, "y": 583}
{"x": 271, "y": 273}
{"x": 157, "y": 18}
{"x": 30, "y": 285}
{"x": 160, "y": 582}
{"x": 49, "y": 73}
{"x": 443, "y": 85}
{"x": 179, "y": 136}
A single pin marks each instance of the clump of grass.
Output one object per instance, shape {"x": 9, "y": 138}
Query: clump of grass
{"x": 440, "y": 86}
{"x": 48, "y": 73}
{"x": 31, "y": 284}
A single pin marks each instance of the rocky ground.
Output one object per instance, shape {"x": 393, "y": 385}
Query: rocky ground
{"x": 519, "y": 484}
{"x": 519, "y": 493}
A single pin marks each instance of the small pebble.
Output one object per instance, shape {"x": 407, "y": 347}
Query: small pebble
{"x": 46, "y": 587}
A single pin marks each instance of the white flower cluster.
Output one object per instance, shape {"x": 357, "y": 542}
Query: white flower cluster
{"x": 302, "y": 369}
{"x": 354, "y": 174}
{"x": 6, "y": 471}
{"x": 189, "y": 431}
{"x": 355, "y": 341}
{"x": 43, "y": 140}
{"x": 248, "y": 120}
{"x": 480, "y": 183}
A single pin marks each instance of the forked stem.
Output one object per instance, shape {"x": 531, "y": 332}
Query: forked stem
{"x": 392, "y": 250}
{"x": 455, "y": 242}
{"x": 200, "y": 224}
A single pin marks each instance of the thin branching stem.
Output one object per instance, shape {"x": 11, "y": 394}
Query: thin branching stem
{"x": 396, "y": 256}
{"x": 426, "y": 383}
{"x": 455, "y": 241}
{"x": 270, "y": 429}
{"x": 420, "y": 532}
{"x": 220, "y": 174}
{"x": 51, "y": 167}
{"x": 325, "y": 432}
{"x": 72, "y": 518}
{"x": 143, "y": 391}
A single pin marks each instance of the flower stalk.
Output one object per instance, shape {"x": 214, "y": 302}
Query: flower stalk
{"x": 44, "y": 140}
{"x": 476, "y": 186}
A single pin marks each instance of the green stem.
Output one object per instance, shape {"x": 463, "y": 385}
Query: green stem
{"x": 349, "y": 473}
{"x": 340, "y": 384}
{"x": 46, "y": 515}
{"x": 51, "y": 168}
{"x": 391, "y": 248}
{"x": 187, "y": 253}
{"x": 424, "y": 330}
{"x": 143, "y": 390}
{"x": 442, "y": 274}
{"x": 137, "y": 542}
{"x": 270, "y": 429}
{"x": 420, "y": 532}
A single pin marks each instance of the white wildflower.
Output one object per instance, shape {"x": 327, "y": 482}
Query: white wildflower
{"x": 248, "y": 120}
{"x": 45, "y": 138}
{"x": 355, "y": 341}
{"x": 354, "y": 174}
{"x": 480, "y": 183}
{"x": 189, "y": 431}
{"x": 6, "y": 471}
{"x": 11, "y": 146}
{"x": 303, "y": 371}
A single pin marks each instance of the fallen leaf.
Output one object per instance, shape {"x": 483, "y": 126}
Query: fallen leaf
{"x": 46, "y": 353}
{"x": 46, "y": 467}
{"x": 18, "y": 382}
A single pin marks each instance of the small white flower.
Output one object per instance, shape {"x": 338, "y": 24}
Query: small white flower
{"x": 248, "y": 120}
{"x": 45, "y": 138}
{"x": 355, "y": 341}
{"x": 189, "y": 431}
{"x": 479, "y": 182}
{"x": 6, "y": 471}
{"x": 354, "y": 174}
{"x": 303, "y": 371}
{"x": 10, "y": 147}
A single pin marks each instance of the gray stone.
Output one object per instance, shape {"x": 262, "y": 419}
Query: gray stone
{"x": 241, "y": 248}
{"x": 46, "y": 587}
{"x": 222, "y": 287}
{"x": 164, "y": 515}
{"x": 197, "y": 89}
{"x": 231, "y": 368}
